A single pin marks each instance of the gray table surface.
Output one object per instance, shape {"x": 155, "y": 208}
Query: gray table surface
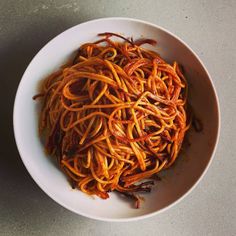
{"x": 207, "y": 26}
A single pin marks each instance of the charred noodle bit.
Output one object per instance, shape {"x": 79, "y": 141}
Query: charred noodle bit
{"x": 114, "y": 116}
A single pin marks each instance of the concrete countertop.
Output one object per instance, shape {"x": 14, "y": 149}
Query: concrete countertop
{"x": 207, "y": 26}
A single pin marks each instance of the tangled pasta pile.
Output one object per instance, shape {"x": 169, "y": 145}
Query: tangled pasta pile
{"x": 114, "y": 116}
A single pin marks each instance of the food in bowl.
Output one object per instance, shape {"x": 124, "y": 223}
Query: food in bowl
{"x": 114, "y": 116}
{"x": 177, "y": 182}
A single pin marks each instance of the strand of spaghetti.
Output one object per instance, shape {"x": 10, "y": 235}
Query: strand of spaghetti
{"x": 110, "y": 66}
{"x": 87, "y": 130}
{"x": 96, "y": 113}
{"x": 135, "y": 148}
{"x": 103, "y": 78}
{"x": 134, "y": 178}
{"x": 72, "y": 169}
{"x": 100, "y": 95}
{"x": 99, "y": 179}
{"x": 115, "y": 156}
{"x": 99, "y": 139}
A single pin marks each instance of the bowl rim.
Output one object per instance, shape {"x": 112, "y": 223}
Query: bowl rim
{"x": 119, "y": 219}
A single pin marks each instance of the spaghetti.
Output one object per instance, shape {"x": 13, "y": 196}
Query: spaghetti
{"x": 114, "y": 116}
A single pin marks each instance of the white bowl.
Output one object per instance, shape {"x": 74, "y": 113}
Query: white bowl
{"x": 176, "y": 182}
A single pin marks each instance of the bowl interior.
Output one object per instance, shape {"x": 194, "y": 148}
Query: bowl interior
{"x": 176, "y": 182}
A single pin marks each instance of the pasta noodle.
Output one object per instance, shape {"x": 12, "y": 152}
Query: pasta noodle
{"x": 114, "y": 116}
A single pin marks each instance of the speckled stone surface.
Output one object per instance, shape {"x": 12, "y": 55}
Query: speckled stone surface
{"x": 207, "y": 26}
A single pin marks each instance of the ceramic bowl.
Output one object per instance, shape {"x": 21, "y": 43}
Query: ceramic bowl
{"x": 176, "y": 182}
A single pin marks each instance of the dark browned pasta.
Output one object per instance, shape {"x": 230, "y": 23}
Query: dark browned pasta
{"x": 114, "y": 116}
